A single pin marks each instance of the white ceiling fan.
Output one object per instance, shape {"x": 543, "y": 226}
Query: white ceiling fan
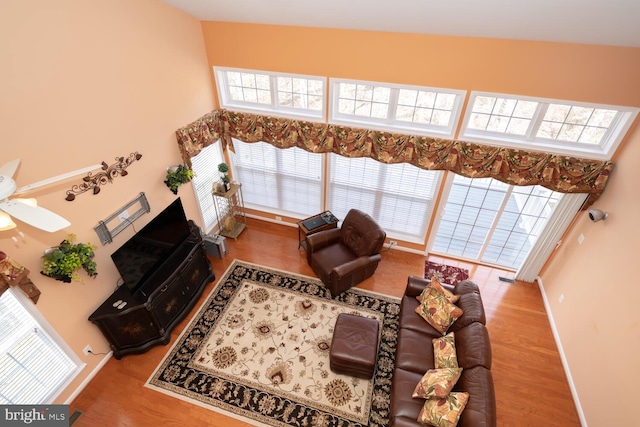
{"x": 26, "y": 210}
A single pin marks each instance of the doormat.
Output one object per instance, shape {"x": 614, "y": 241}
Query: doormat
{"x": 445, "y": 273}
{"x": 258, "y": 350}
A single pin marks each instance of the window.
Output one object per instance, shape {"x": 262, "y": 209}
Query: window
{"x": 398, "y": 196}
{"x": 396, "y": 107}
{"x": 33, "y": 367}
{"x": 489, "y": 221}
{"x": 560, "y": 127}
{"x": 283, "y": 94}
{"x": 287, "y": 181}
{"x": 205, "y": 167}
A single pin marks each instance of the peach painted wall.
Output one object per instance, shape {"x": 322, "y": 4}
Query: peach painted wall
{"x": 552, "y": 70}
{"x": 598, "y": 320}
{"x": 600, "y": 336}
{"x": 87, "y": 81}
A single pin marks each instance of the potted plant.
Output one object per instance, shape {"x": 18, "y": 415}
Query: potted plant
{"x": 176, "y": 176}
{"x": 223, "y": 168}
{"x": 63, "y": 261}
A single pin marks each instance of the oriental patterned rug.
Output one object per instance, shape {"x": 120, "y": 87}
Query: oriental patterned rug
{"x": 445, "y": 273}
{"x": 258, "y": 350}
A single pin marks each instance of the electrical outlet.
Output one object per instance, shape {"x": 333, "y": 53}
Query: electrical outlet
{"x": 278, "y": 218}
{"x": 580, "y": 238}
{"x": 87, "y": 350}
{"x": 561, "y": 298}
{"x": 392, "y": 243}
{"x": 124, "y": 215}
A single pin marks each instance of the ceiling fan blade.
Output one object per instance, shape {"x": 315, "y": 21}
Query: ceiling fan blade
{"x": 8, "y": 169}
{"x": 55, "y": 179}
{"x": 36, "y": 216}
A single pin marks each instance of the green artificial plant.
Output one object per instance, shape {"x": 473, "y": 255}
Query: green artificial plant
{"x": 223, "y": 168}
{"x": 65, "y": 260}
{"x": 176, "y": 176}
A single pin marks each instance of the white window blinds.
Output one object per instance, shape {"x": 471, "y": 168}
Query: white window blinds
{"x": 287, "y": 180}
{"x": 33, "y": 368}
{"x": 205, "y": 167}
{"x": 398, "y": 196}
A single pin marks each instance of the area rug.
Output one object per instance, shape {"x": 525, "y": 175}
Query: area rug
{"x": 445, "y": 273}
{"x": 258, "y": 350}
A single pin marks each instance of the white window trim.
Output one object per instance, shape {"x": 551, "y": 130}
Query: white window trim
{"x": 226, "y": 102}
{"x": 393, "y": 125}
{"x": 602, "y": 151}
{"x": 53, "y": 334}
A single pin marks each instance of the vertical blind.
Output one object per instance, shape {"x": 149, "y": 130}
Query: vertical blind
{"x": 32, "y": 366}
{"x": 560, "y": 220}
{"x": 284, "y": 180}
{"x": 398, "y": 196}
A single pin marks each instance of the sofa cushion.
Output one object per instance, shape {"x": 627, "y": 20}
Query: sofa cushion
{"x": 437, "y": 311}
{"x": 409, "y": 319}
{"x": 437, "y": 383}
{"x": 471, "y": 305}
{"x": 402, "y": 385}
{"x": 481, "y": 407}
{"x": 444, "y": 351}
{"x": 435, "y": 283}
{"x": 473, "y": 347}
{"x": 413, "y": 352}
{"x": 465, "y": 287}
{"x": 443, "y": 412}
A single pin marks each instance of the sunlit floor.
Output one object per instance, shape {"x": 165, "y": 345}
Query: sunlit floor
{"x": 530, "y": 383}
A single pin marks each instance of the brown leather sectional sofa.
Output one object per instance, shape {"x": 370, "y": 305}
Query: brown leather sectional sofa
{"x": 414, "y": 357}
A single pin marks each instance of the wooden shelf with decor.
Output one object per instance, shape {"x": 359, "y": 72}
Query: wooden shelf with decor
{"x": 230, "y": 212}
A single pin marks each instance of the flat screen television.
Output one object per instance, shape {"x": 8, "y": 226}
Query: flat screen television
{"x": 148, "y": 248}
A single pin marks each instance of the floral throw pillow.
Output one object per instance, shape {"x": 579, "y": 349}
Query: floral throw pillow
{"x": 443, "y": 412}
{"x": 437, "y": 383}
{"x": 435, "y": 283}
{"x": 444, "y": 351}
{"x": 438, "y": 311}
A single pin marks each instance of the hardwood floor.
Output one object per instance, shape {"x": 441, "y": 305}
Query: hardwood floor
{"x": 531, "y": 387}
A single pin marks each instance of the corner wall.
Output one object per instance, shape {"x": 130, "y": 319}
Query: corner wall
{"x": 83, "y": 82}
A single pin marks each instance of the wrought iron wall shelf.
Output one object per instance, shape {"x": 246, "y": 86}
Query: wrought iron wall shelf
{"x": 107, "y": 234}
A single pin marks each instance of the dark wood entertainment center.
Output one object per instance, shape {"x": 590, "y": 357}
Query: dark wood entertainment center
{"x": 134, "y": 322}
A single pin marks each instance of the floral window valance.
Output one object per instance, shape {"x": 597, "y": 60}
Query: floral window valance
{"x": 563, "y": 174}
{"x": 13, "y": 274}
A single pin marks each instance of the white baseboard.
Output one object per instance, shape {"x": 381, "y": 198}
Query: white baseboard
{"x": 275, "y": 221}
{"x": 563, "y": 358}
{"x": 89, "y": 377}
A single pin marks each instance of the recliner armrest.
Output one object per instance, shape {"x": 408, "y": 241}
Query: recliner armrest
{"x": 321, "y": 239}
{"x": 354, "y": 265}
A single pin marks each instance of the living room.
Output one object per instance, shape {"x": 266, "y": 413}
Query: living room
{"x": 91, "y": 82}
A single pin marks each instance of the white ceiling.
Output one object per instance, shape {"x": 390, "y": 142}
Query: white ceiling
{"x": 605, "y": 22}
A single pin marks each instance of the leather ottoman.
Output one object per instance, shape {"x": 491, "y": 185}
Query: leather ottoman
{"x": 354, "y": 346}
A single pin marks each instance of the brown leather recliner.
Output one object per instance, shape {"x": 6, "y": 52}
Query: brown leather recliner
{"x": 343, "y": 257}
